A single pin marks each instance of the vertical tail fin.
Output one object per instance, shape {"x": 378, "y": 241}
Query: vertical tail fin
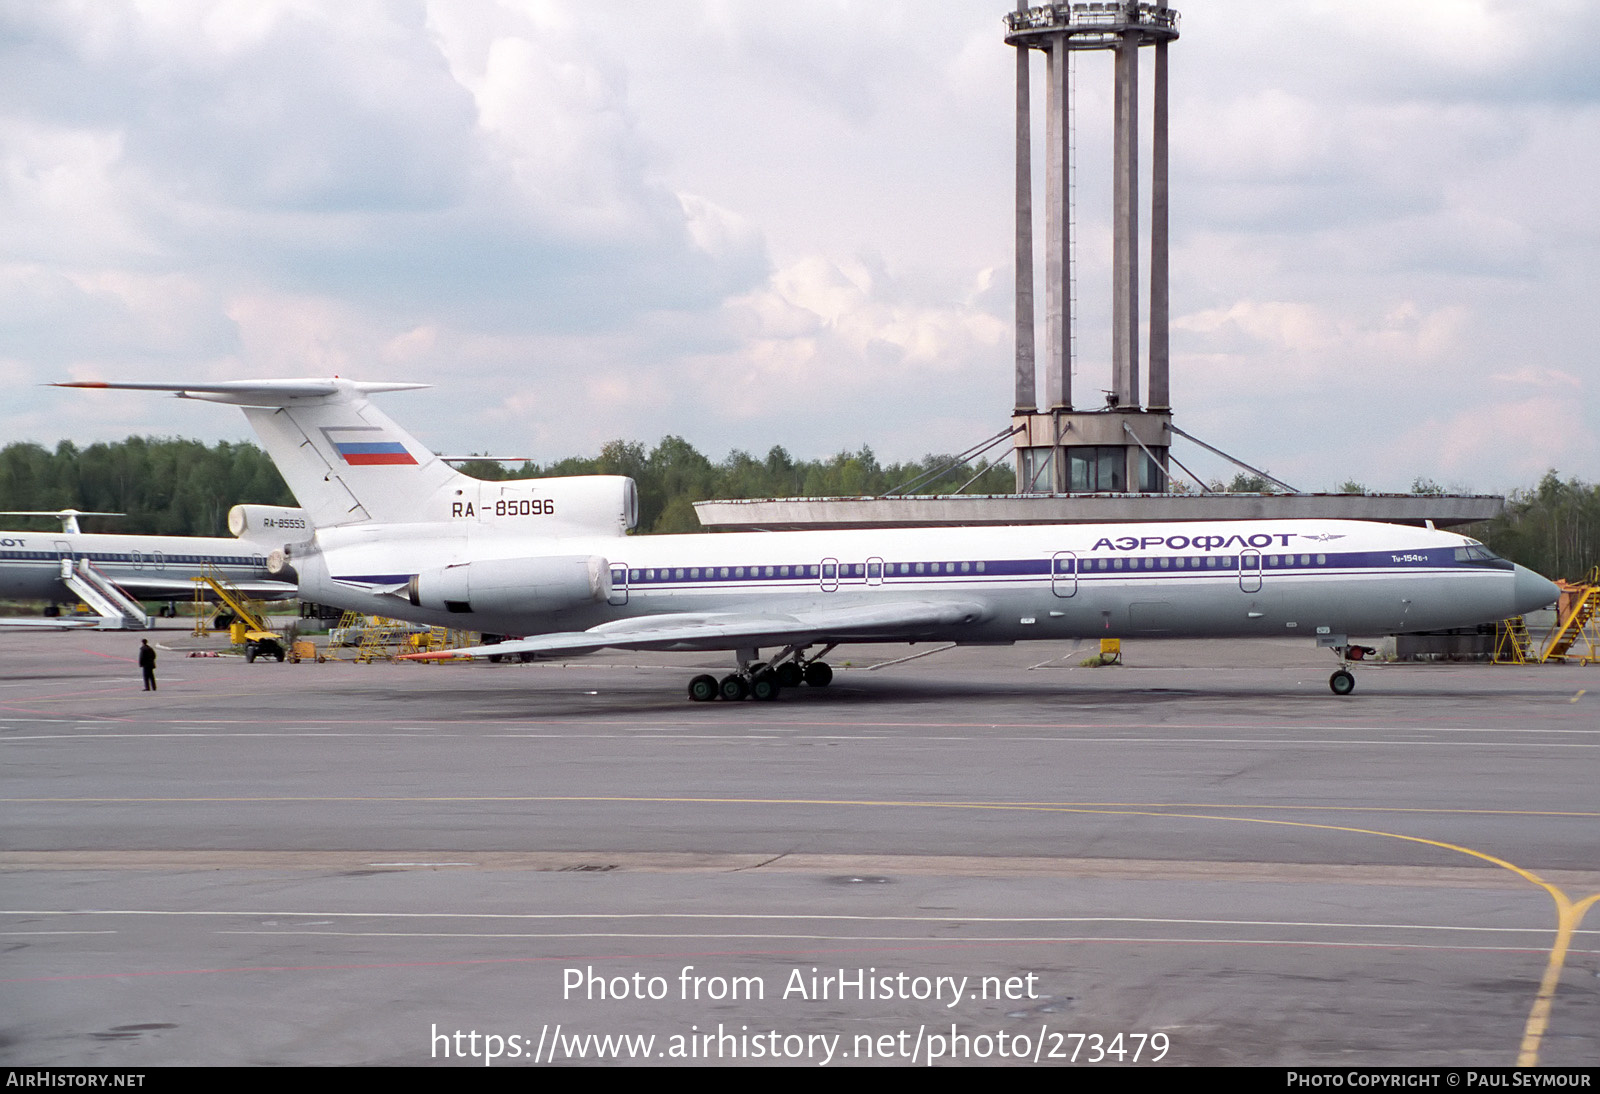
{"x": 348, "y": 462}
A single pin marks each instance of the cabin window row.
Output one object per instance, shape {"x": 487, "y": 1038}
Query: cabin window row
{"x": 876, "y": 570}
{"x": 150, "y": 559}
{"x": 842, "y": 570}
{"x": 1184, "y": 562}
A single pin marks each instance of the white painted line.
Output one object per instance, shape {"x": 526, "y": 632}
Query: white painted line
{"x": 803, "y": 917}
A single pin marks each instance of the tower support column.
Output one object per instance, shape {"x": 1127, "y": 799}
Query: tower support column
{"x": 1125, "y": 229}
{"x": 1026, "y": 399}
{"x": 1160, "y": 393}
{"x": 1058, "y": 235}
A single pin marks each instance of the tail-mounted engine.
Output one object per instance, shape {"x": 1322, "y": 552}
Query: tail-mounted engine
{"x": 514, "y": 585}
{"x": 606, "y": 505}
{"x": 269, "y": 523}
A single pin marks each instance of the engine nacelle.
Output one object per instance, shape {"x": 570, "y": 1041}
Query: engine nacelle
{"x": 270, "y": 523}
{"x": 280, "y": 568}
{"x": 606, "y": 505}
{"x": 514, "y": 585}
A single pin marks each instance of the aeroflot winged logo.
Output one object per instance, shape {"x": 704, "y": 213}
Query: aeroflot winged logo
{"x": 365, "y": 446}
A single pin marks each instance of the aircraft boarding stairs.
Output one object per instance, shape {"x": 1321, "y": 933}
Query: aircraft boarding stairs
{"x": 117, "y": 610}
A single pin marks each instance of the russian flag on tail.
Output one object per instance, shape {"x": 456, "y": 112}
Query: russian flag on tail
{"x": 369, "y": 451}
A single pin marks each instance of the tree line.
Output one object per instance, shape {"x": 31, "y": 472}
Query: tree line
{"x": 1554, "y": 528}
{"x": 184, "y": 487}
{"x": 164, "y": 487}
{"x": 180, "y": 487}
{"x": 673, "y": 475}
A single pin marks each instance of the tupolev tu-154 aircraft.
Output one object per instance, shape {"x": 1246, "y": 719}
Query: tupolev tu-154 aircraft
{"x": 112, "y": 573}
{"x": 399, "y": 533}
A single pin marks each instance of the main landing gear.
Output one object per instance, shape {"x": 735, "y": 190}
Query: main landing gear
{"x": 763, "y": 680}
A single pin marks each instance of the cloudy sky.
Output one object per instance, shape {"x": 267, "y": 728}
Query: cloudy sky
{"x": 753, "y": 224}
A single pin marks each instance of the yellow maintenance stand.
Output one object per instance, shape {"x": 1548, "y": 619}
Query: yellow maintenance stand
{"x": 249, "y": 628}
{"x": 1577, "y": 622}
{"x": 1577, "y": 625}
{"x": 381, "y": 639}
{"x": 1512, "y": 643}
{"x": 385, "y": 639}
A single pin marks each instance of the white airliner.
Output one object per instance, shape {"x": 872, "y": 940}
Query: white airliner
{"x": 400, "y": 533}
{"x": 113, "y": 573}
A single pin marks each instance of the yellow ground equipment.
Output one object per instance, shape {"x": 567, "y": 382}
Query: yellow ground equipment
{"x": 249, "y": 627}
{"x": 348, "y": 632}
{"x": 377, "y": 638}
{"x": 1577, "y": 622}
{"x": 435, "y": 639}
{"x": 1512, "y": 644}
{"x": 381, "y": 639}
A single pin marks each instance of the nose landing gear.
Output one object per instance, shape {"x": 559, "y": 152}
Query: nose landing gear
{"x": 1343, "y": 682}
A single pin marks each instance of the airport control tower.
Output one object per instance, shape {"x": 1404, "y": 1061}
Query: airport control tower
{"x": 1121, "y": 447}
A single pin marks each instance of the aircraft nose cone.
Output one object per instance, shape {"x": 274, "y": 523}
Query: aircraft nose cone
{"x": 1533, "y": 591}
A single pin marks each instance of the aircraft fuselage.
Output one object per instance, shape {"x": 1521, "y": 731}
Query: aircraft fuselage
{"x": 147, "y": 567}
{"x": 1253, "y": 578}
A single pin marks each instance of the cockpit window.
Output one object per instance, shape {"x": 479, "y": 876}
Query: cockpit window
{"x": 1481, "y": 555}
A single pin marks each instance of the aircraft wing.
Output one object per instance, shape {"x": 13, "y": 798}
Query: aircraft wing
{"x": 897, "y": 621}
{"x": 181, "y": 587}
{"x": 59, "y": 623}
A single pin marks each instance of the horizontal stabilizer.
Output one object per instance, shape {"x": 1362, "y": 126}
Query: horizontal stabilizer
{"x": 345, "y": 460}
{"x": 253, "y": 392}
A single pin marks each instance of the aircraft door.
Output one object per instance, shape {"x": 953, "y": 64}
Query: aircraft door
{"x": 619, "y": 585}
{"x": 1064, "y": 573}
{"x": 63, "y": 549}
{"x": 874, "y": 571}
{"x": 829, "y": 575}
{"x": 1250, "y": 571}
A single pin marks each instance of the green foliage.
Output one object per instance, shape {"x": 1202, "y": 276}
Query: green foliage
{"x": 165, "y": 487}
{"x": 178, "y": 487}
{"x": 1243, "y": 483}
{"x": 673, "y": 475}
{"x": 1553, "y": 528}
{"x": 1350, "y": 486}
{"x": 175, "y": 487}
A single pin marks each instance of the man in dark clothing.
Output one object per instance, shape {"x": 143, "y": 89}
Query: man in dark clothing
{"x": 147, "y": 664}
